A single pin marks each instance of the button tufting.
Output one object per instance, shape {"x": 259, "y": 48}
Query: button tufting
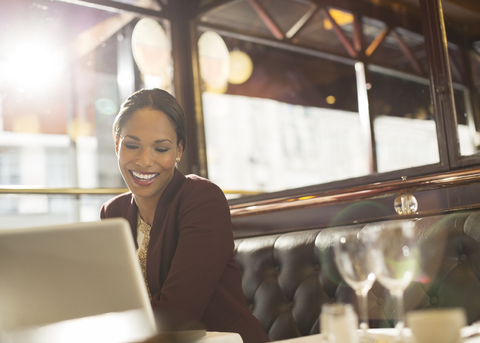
{"x": 316, "y": 267}
{"x": 433, "y": 300}
{"x": 380, "y": 302}
{"x": 463, "y": 257}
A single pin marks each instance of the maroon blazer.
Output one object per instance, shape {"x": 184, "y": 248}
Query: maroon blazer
{"x": 191, "y": 270}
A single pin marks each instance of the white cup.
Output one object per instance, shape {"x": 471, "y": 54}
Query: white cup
{"x": 339, "y": 323}
{"x": 436, "y": 325}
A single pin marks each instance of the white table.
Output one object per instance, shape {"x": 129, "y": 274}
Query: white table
{"x": 220, "y": 337}
{"x": 388, "y": 335}
{"x": 123, "y": 327}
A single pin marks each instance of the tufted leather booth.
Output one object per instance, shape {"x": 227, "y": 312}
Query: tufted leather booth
{"x": 288, "y": 277}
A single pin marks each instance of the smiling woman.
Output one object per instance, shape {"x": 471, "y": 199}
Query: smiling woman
{"x": 147, "y": 150}
{"x": 181, "y": 224}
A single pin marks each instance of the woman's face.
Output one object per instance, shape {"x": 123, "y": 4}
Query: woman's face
{"x": 146, "y": 151}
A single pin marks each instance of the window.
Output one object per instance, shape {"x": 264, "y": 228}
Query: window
{"x": 293, "y": 123}
{"x": 305, "y": 116}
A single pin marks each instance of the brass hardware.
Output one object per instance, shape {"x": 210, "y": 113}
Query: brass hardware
{"x": 84, "y": 191}
{"x": 370, "y": 191}
{"x": 405, "y": 203}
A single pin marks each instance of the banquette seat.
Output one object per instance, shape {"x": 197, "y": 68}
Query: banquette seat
{"x": 287, "y": 277}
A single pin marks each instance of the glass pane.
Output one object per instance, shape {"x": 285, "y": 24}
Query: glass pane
{"x": 467, "y": 134}
{"x": 319, "y": 33}
{"x": 399, "y": 92}
{"x": 285, "y": 13}
{"x": 294, "y": 122}
{"x": 64, "y": 71}
{"x": 468, "y": 110}
{"x": 28, "y": 210}
{"x": 238, "y": 16}
{"x": 400, "y": 49}
{"x": 475, "y": 60}
{"x": 243, "y": 17}
{"x": 405, "y": 130}
{"x": 462, "y": 27}
{"x": 457, "y": 65}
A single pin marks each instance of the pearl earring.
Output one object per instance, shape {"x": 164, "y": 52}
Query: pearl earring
{"x": 177, "y": 159}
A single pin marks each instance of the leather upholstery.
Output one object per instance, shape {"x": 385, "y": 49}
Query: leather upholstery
{"x": 288, "y": 277}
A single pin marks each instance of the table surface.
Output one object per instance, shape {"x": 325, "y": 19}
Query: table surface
{"x": 220, "y": 337}
{"x": 123, "y": 327}
{"x": 388, "y": 336}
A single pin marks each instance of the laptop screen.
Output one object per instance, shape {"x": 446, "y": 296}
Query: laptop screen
{"x": 66, "y": 273}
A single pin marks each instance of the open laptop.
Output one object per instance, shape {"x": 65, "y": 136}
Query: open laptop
{"x": 74, "y": 282}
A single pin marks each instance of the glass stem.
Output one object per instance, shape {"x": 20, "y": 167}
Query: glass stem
{"x": 400, "y": 314}
{"x": 363, "y": 311}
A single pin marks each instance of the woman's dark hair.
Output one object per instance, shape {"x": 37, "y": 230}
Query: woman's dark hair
{"x": 156, "y": 99}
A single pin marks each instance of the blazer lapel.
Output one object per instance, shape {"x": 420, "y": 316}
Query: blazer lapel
{"x": 130, "y": 213}
{"x": 159, "y": 254}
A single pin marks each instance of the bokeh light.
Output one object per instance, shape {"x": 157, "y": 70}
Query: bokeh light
{"x": 150, "y": 47}
{"x": 106, "y": 106}
{"x": 330, "y": 99}
{"x": 214, "y": 60}
{"x": 241, "y": 67}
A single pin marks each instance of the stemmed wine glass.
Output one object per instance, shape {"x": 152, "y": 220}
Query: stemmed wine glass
{"x": 396, "y": 259}
{"x": 353, "y": 262}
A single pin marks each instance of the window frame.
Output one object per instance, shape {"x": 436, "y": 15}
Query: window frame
{"x": 184, "y": 25}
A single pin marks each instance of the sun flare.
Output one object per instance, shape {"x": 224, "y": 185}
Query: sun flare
{"x": 34, "y": 65}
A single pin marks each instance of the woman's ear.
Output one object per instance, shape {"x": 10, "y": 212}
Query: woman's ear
{"x": 179, "y": 150}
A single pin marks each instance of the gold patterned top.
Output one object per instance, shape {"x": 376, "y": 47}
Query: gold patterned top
{"x": 144, "y": 228}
